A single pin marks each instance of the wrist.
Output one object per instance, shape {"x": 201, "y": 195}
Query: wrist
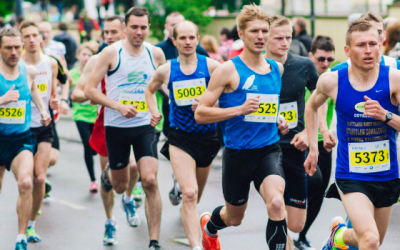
{"x": 65, "y": 100}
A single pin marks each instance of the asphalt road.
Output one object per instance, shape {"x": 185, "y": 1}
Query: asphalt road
{"x": 74, "y": 218}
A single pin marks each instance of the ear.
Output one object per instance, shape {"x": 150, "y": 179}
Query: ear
{"x": 173, "y": 40}
{"x": 347, "y": 50}
{"x": 240, "y": 33}
{"x": 310, "y": 55}
{"x": 198, "y": 39}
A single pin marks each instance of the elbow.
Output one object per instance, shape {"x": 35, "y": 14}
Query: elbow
{"x": 199, "y": 117}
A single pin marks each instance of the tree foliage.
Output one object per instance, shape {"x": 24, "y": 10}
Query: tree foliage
{"x": 6, "y": 7}
{"x": 192, "y": 10}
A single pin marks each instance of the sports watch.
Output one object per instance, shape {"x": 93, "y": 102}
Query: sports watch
{"x": 389, "y": 116}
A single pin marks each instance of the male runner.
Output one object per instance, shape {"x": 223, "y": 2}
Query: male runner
{"x": 366, "y": 96}
{"x": 113, "y": 31}
{"x": 299, "y": 73}
{"x": 322, "y": 54}
{"x": 129, "y": 65}
{"x": 191, "y": 147}
{"x": 17, "y": 142}
{"x": 46, "y": 81}
{"x": 247, "y": 89}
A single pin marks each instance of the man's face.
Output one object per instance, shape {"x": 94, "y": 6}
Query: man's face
{"x": 84, "y": 56}
{"x": 364, "y": 49}
{"x": 113, "y": 31}
{"x": 31, "y": 39}
{"x": 279, "y": 40}
{"x": 137, "y": 30}
{"x": 45, "y": 28}
{"x": 11, "y": 47}
{"x": 322, "y": 59}
{"x": 255, "y": 36}
{"x": 187, "y": 39}
{"x": 171, "y": 22}
{"x": 381, "y": 32}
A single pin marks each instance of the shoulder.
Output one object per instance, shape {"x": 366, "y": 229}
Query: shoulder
{"x": 53, "y": 61}
{"x": 212, "y": 64}
{"x": 394, "y": 75}
{"x": 157, "y": 52}
{"x": 91, "y": 63}
{"x": 107, "y": 52}
{"x": 328, "y": 80}
{"x": 280, "y": 66}
{"x": 31, "y": 71}
{"x": 164, "y": 69}
{"x": 227, "y": 68}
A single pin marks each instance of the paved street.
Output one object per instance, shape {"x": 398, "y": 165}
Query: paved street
{"x": 74, "y": 218}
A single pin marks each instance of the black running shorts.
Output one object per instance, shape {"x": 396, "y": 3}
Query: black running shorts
{"x": 241, "y": 167}
{"x": 201, "y": 147}
{"x": 296, "y": 176}
{"x": 119, "y": 141}
{"x": 44, "y": 133}
{"x": 380, "y": 193}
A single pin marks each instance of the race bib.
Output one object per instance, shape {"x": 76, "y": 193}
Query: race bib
{"x": 186, "y": 91}
{"x": 289, "y": 112}
{"x": 13, "y": 113}
{"x": 369, "y": 157}
{"x": 43, "y": 89}
{"x": 267, "y": 111}
{"x": 132, "y": 99}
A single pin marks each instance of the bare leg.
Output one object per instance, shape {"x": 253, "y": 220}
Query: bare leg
{"x": 107, "y": 198}
{"x": 134, "y": 176}
{"x": 54, "y": 154}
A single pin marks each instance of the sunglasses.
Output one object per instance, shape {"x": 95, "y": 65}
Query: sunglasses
{"x": 323, "y": 59}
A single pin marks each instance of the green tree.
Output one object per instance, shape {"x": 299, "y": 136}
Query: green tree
{"x": 6, "y": 7}
{"x": 192, "y": 10}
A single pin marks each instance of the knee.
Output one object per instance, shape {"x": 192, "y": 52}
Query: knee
{"x": 189, "y": 195}
{"x": 149, "y": 183}
{"x": 370, "y": 240}
{"x": 54, "y": 158}
{"x": 295, "y": 225}
{"x": 235, "y": 221}
{"x": 133, "y": 168}
{"x": 25, "y": 186}
{"x": 276, "y": 206}
{"x": 120, "y": 187}
{"x": 39, "y": 180}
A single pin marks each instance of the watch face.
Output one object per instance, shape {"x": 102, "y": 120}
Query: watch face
{"x": 389, "y": 115}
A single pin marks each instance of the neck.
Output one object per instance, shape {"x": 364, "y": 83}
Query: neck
{"x": 8, "y": 71}
{"x": 363, "y": 76}
{"x": 192, "y": 58}
{"x": 132, "y": 50}
{"x": 31, "y": 57}
{"x": 276, "y": 57}
{"x": 251, "y": 59}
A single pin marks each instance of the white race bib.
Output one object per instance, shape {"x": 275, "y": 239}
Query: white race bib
{"x": 186, "y": 91}
{"x": 13, "y": 112}
{"x": 267, "y": 111}
{"x": 132, "y": 99}
{"x": 289, "y": 112}
{"x": 369, "y": 157}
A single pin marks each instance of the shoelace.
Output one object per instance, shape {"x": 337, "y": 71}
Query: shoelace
{"x": 131, "y": 207}
{"x": 110, "y": 231}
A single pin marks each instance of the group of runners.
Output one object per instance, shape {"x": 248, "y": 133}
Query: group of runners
{"x": 259, "y": 100}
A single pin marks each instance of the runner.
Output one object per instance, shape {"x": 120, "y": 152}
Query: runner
{"x": 190, "y": 147}
{"x": 126, "y": 116}
{"x": 247, "y": 88}
{"x": 46, "y": 81}
{"x": 113, "y": 31}
{"x": 366, "y": 96}
{"x": 322, "y": 54}
{"x": 17, "y": 142}
{"x": 300, "y": 73}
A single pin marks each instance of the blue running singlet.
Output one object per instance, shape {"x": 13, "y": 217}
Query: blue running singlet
{"x": 15, "y": 117}
{"x": 367, "y": 147}
{"x": 258, "y": 129}
{"x": 183, "y": 89}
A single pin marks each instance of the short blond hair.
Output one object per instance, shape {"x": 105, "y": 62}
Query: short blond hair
{"x": 250, "y": 13}
{"x": 25, "y": 24}
{"x": 357, "y": 26}
{"x": 278, "y": 20}
{"x": 369, "y": 16}
{"x": 13, "y": 32}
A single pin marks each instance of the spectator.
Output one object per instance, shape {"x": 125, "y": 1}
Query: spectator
{"x": 86, "y": 26}
{"x": 299, "y": 25}
{"x": 209, "y": 43}
{"x": 237, "y": 45}
{"x": 69, "y": 42}
{"x": 297, "y": 47}
{"x": 69, "y": 16}
{"x": 392, "y": 47}
{"x": 226, "y": 42}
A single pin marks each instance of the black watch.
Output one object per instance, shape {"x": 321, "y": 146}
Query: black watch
{"x": 389, "y": 116}
{"x": 65, "y": 100}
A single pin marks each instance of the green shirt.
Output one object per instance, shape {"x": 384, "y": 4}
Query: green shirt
{"x": 82, "y": 111}
{"x": 160, "y": 98}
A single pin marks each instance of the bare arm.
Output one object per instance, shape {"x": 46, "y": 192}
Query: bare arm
{"x": 159, "y": 56}
{"x": 54, "y": 81}
{"x": 78, "y": 94}
{"x": 36, "y": 98}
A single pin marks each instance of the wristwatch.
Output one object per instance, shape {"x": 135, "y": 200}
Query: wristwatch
{"x": 389, "y": 116}
{"x": 65, "y": 100}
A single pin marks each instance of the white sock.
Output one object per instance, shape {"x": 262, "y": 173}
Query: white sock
{"x": 197, "y": 248}
{"x": 31, "y": 224}
{"x": 110, "y": 221}
{"x": 21, "y": 237}
{"x": 178, "y": 188}
{"x": 127, "y": 199}
{"x": 138, "y": 184}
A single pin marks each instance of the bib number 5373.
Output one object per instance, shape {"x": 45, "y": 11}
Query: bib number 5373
{"x": 369, "y": 157}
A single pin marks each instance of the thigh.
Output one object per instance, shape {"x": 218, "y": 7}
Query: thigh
{"x": 22, "y": 165}
{"x": 118, "y": 146}
{"x": 382, "y": 218}
{"x": 42, "y": 158}
{"x": 145, "y": 142}
{"x": 184, "y": 168}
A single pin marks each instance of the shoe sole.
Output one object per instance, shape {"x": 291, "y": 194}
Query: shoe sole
{"x": 110, "y": 243}
{"x": 122, "y": 206}
{"x": 93, "y": 191}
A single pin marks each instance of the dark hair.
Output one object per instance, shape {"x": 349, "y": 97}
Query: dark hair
{"x": 322, "y": 43}
{"x": 62, "y": 26}
{"x": 136, "y": 11}
{"x": 301, "y": 22}
{"x": 369, "y": 16}
{"x": 226, "y": 32}
{"x": 234, "y": 33}
{"x": 13, "y": 32}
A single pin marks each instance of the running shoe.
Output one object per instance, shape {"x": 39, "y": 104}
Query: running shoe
{"x": 209, "y": 243}
{"x": 138, "y": 195}
{"x": 302, "y": 244}
{"x": 336, "y": 224}
{"x": 109, "y": 235}
{"x": 105, "y": 180}
{"x": 21, "y": 245}
{"x": 32, "y": 236}
{"x": 39, "y": 212}
{"x": 130, "y": 210}
{"x": 47, "y": 187}
{"x": 155, "y": 246}
{"x": 93, "y": 187}
{"x": 175, "y": 195}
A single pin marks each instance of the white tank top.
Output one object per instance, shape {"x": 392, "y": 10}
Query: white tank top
{"x": 126, "y": 84}
{"x": 44, "y": 84}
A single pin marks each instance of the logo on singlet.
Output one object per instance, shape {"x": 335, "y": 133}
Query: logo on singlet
{"x": 360, "y": 107}
{"x": 249, "y": 82}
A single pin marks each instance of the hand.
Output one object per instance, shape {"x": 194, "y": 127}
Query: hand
{"x": 64, "y": 108}
{"x": 374, "y": 109}
{"x": 195, "y": 105}
{"x": 310, "y": 165}
{"x": 300, "y": 140}
{"x": 329, "y": 140}
{"x": 250, "y": 106}
{"x": 46, "y": 119}
{"x": 10, "y": 96}
{"x": 54, "y": 102}
{"x": 93, "y": 103}
{"x": 283, "y": 126}
{"x": 155, "y": 119}
{"x": 128, "y": 111}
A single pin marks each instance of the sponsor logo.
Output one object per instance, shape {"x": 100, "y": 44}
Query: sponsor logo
{"x": 249, "y": 82}
{"x": 360, "y": 107}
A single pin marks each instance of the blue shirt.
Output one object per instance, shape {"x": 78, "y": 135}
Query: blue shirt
{"x": 385, "y": 60}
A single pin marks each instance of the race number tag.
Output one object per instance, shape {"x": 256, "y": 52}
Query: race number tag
{"x": 132, "y": 99}
{"x": 43, "y": 89}
{"x": 13, "y": 113}
{"x": 289, "y": 112}
{"x": 369, "y": 157}
{"x": 267, "y": 111}
{"x": 186, "y": 91}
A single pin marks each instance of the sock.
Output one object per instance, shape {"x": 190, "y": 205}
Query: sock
{"x": 339, "y": 237}
{"x": 215, "y": 223}
{"x": 153, "y": 242}
{"x": 138, "y": 184}
{"x": 127, "y": 199}
{"x": 110, "y": 221}
{"x": 21, "y": 237}
{"x": 197, "y": 248}
{"x": 178, "y": 188}
{"x": 31, "y": 224}
{"x": 276, "y": 234}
